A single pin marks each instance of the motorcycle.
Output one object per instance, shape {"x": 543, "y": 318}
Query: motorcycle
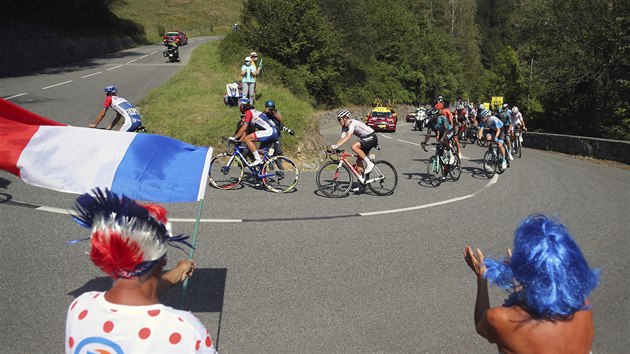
{"x": 421, "y": 120}
{"x": 172, "y": 53}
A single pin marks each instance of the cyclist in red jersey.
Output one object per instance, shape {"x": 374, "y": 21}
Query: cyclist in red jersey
{"x": 449, "y": 115}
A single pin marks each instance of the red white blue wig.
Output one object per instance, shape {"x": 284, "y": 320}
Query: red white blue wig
{"x": 127, "y": 238}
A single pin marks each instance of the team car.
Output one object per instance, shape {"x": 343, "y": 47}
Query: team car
{"x": 382, "y": 118}
{"x": 178, "y": 36}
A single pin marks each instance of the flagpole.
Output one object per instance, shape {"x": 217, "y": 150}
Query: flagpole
{"x": 202, "y": 192}
{"x": 191, "y": 255}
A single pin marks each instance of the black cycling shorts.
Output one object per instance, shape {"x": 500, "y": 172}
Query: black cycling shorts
{"x": 368, "y": 142}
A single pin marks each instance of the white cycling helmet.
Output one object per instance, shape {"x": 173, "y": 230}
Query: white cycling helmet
{"x": 482, "y": 107}
{"x": 514, "y": 109}
{"x": 343, "y": 113}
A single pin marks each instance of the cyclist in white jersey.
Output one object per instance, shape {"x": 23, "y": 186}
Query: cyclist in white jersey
{"x": 265, "y": 129}
{"x": 123, "y": 109}
{"x": 366, "y": 135}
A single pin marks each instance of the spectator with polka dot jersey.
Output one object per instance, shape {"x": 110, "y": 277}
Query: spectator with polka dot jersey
{"x": 129, "y": 243}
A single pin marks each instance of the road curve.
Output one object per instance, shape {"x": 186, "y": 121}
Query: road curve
{"x": 298, "y": 277}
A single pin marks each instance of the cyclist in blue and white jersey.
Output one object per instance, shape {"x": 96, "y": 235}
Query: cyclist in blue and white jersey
{"x": 492, "y": 127}
{"x": 123, "y": 109}
{"x": 366, "y": 135}
{"x": 264, "y": 129}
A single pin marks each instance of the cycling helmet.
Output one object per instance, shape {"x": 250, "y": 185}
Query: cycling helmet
{"x": 482, "y": 107}
{"x": 506, "y": 106}
{"x": 343, "y": 113}
{"x": 270, "y": 104}
{"x": 110, "y": 89}
{"x": 485, "y": 113}
{"x": 514, "y": 109}
{"x": 243, "y": 101}
{"x": 439, "y": 99}
{"x": 434, "y": 111}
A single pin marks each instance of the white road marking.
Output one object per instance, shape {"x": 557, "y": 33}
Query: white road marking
{"x": 18, "y": 95}
{"x": 131, "y": 61}
{"x": 385, "y": 136}
{"x": 144, "y": 56}
{"x": 115, "y": 67}
{"x": 155, "y": 52}
{"x": 408, "y": 142}
{"x": 54, "y": 210}
{"x": 205, "y": 220}
{"x": 55, "y": 85}
{"x": 391, "y": 211}
{"x": 86, "y": 76}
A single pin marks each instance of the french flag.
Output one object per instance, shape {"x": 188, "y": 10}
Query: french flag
{"x": 146, "y": 167}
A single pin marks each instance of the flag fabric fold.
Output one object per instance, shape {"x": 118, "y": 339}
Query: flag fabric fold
{"x": 145, "y": 167}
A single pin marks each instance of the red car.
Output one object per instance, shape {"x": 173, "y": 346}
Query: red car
{"x": 179, "y": 37}
{"x": 382, "y": 118}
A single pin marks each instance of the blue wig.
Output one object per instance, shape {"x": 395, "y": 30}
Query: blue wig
{"x": 547, "y": 273}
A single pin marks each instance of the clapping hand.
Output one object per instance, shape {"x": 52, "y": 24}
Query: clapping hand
{"x": 475, "y": 261}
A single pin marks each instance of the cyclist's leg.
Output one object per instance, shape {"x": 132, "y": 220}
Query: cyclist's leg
{"x": 250, "y": 141}
{"x": 127, "y": 125}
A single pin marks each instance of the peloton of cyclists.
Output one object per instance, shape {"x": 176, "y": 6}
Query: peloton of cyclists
{"x": 492, "y": 128}
{"x": 123, "y": 109}
{"x": 266, "y": 129}
{"x": 366, "y": 135}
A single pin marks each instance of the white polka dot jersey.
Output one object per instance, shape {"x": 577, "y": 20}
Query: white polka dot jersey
{"x": 94, "y": 325}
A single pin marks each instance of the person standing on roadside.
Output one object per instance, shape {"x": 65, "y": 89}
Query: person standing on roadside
{"x": 549, "y": 280}
{"x": 129, "y": 242}
{"x": 248, "y": 73}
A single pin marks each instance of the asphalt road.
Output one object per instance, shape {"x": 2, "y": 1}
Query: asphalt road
{"x": 299, "y": 272}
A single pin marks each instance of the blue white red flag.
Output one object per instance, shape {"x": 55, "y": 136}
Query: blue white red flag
{"x": 146, "y": 167}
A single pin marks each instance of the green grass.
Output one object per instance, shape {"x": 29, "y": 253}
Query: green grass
{"x": 190, "y": 106}
{"x": 193, "y": 17}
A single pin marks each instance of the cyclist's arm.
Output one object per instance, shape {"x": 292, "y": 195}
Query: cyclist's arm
{"x": 344, "y": 139}
{"x": 99, "y": 118}
{"x": 114, "y": 122}
{"x": 242, "y": 131}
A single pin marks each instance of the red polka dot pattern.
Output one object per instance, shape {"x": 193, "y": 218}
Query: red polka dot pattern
{"x": 83, "y": 314}
{"x": 74, "y": 304}
{"x": 197, "y": 345}
{"x": 153, "y": 313}
{"x": 108, "y": 326}
{"x": 144, "y": 333}
{"x": 208, "y": 341}
{"x": 71, "y": 342}
{"x": 175, "y": 338}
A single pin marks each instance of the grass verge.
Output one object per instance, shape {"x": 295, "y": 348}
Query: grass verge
{"x": 190, "y": 107}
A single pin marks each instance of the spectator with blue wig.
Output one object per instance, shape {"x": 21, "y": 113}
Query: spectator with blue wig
{"x": 549, "y": 282}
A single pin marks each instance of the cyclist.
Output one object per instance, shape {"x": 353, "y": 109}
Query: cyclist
{"x": 505, "y": 115}
{"x": 492, "y": 126}
{"x": 449, "y": 115}
{"x": 272, "y": 113}
{"x": 266, "y": 131}
{"x": 366, "y": 135}
{"x": 442, "y": 128}
{"x": 123, "y": 109}
{"x": 518, "y": 123}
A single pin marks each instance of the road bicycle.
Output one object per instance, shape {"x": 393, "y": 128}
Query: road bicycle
{"x": 334, "y": 178}
{"x": 517, "y": 143}
{"x": 492, "y": 161}
{"x": 226, "y": 169}
{"x": 439, "y": 166}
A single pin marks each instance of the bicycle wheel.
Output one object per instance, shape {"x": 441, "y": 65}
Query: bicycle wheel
{"x": 498, "y": 160}
{"x": 455, "y": 169}
{"x": 387, "y": 178}
{"x": 280, "y": 174}
{"x": 334, "y": 181}
{"x": 462, "y": 138}
{"x": 489, "y": 164}
{"x": 226, "y": 171}
{"x": 434, "y": 171}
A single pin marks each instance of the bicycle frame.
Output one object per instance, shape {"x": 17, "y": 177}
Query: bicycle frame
{"x": 343, "y": 160}
{"x": 254, "y": 170}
